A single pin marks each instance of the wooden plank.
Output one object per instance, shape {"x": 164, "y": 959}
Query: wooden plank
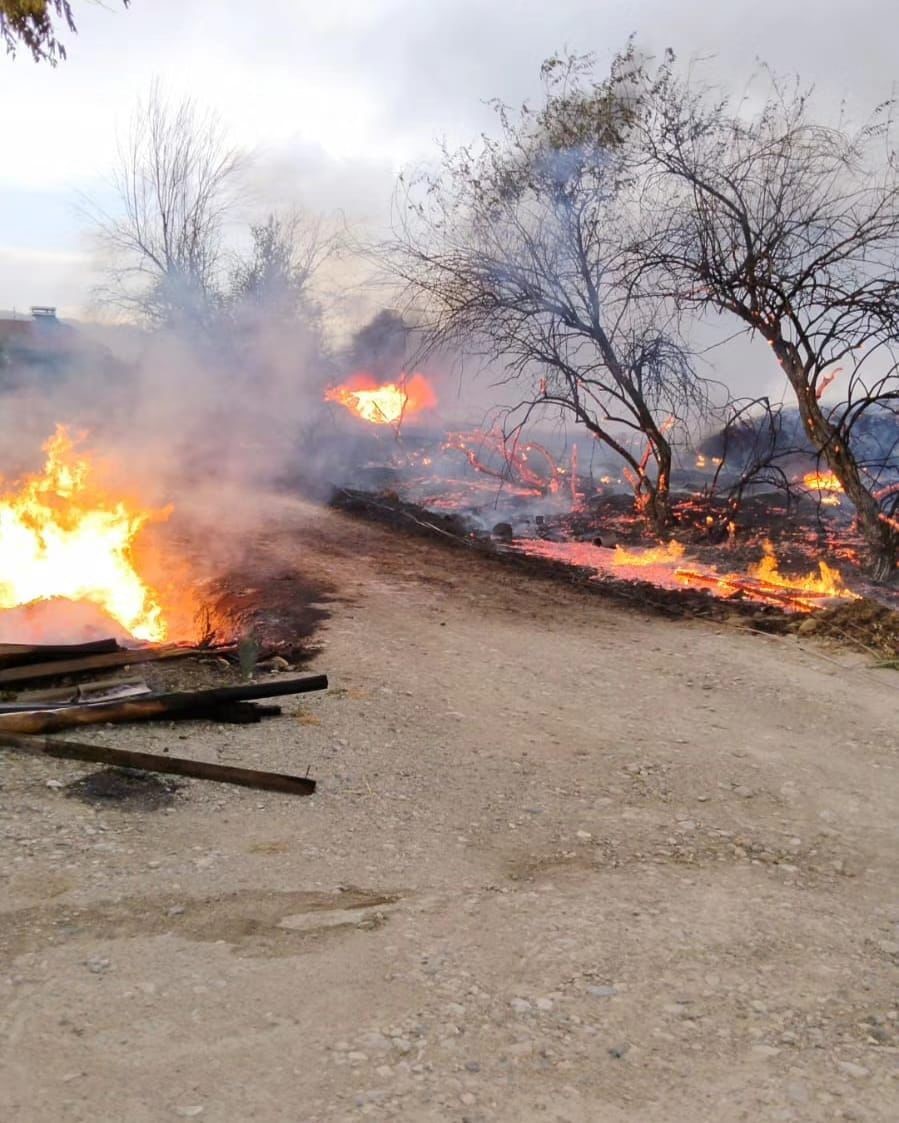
{"x": 19, "y": 654}
{"x": 104, "y": 662}
{"x": 202, "y": 703}
{"x": 154, "y": 762}
{"x": 82, "y": 692}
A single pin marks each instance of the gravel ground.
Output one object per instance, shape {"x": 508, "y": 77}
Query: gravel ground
{"x": 566, "y": 863}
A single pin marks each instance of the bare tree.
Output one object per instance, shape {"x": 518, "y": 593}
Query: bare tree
{"x": 286, "y": 252}
{"x": 792, "y": 226}
{"x": 175, "y": 186}
{"x": 33, "y": 23}
{"x": 519, "y": 251}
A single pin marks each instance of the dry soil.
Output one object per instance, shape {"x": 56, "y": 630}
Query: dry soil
{"x": 566, "y": 863}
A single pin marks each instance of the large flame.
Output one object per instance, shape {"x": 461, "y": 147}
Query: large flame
{"x": 386, "y": 404}
{"x": 62, "y": 536}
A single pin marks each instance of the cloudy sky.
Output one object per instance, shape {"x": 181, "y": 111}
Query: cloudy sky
{"x": 333, "y": 96}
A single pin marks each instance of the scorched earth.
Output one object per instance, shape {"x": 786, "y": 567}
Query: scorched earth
{"x": 566, "y": 862}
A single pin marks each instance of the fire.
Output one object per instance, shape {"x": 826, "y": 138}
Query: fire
{"x": 666, "y": 566}
{"x": 826, "y": 583}
{"x": 764, "y": 582}
{"x": 825, "y": 483}
{"x": 61, "y": 536}
{"x": 667, "y": 553}
{"x": 387, "y": 404}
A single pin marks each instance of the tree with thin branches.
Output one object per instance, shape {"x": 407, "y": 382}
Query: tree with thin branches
{"x": 519, "y": 250}
{"x": 771, "y": 215}
{"x": 176, "y": 184}
{"x": 287, "y": 251}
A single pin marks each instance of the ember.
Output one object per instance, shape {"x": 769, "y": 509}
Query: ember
{"x": 387, "y": 404}
{"x": 61, "y": 536}
{"x": 526, "y": 465}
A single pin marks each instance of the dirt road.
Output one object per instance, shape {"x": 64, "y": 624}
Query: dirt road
{"x": 566, "y": 863}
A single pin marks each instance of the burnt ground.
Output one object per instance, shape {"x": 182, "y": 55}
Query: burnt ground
{"x": 567, "y": 861}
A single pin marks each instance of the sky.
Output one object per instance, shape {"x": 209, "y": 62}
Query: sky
{"x": 334, "y": 97}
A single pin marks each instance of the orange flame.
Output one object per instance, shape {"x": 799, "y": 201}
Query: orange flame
{"x": 826, "y": 484}
{"x": 821, "y": 481}
{"x": 387, "y": 404}
{"x": 61, "y": 536}
{"x": 764, "y": 582}
{"x": 826, "y": 583}
{"x": 667, "y": 553}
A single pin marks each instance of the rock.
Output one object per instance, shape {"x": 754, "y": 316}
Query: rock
{"x": 765, "y": 1050}
{"x": 544, "y": 1004}
{"x": 357, "y": 1058}
{"x": 55, "y": 785}
{"x": 402, "y": 1045}
{"x": 377, "y": 1042}
{"x": 888, "y": 947}
{"x": 743, "y": 791}
{"x": 520, "y": 1005}
{"x": 190, "y": 1112}
{"x": 850, "y": 1068}
{"x": 602, "y": 992}
{"x": 521, "y": 1049}
{"x": 175, "y": 910}
{"x": 585, "y": 835}
{"x": 797, "y": 1092}
{"x": 472, "y": 1066}
{"x": 503, "y": 531}
{"x": 618, "y": 1051}
{"x": 96, "y": 964}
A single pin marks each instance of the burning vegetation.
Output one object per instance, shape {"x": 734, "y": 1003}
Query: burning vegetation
{"x": 562, "y": 258}
{"x": 386, "y": 404}
{"x": 62, "y": 535}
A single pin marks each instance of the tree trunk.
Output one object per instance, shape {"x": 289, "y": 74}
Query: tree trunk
{"x": 657, "y": 501}
{"x": 880, "y": 538}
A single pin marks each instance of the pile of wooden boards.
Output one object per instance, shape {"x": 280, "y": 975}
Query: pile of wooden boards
{"x": 25, "y": 721}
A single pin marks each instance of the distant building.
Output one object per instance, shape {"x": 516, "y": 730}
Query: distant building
{"x": 36, "y": 339}
{"x": 37, "y": 345}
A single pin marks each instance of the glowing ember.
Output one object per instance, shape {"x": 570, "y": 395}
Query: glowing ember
{"x": 387, "y": 404}
{"x": 61, "y": 536}
{"x": 528, "y": 466}
{"x": 668, "y": 553}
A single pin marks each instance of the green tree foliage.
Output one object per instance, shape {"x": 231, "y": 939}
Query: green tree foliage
{"x": 35, "y": 25}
